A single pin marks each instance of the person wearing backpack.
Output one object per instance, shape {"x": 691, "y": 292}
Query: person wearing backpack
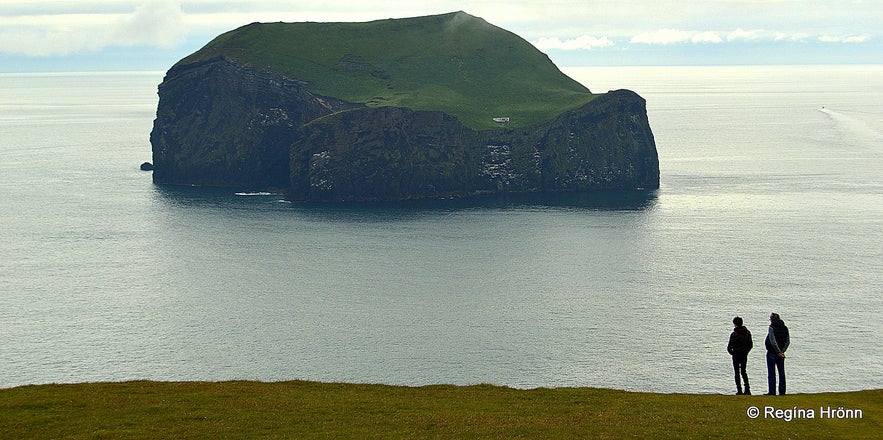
{"x": 777, "y": 342}
{"x": 738, "y": 347}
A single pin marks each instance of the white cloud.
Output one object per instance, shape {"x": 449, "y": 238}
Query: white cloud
{"x": 585, "y": 42}
{"x": 52, "y": 35}
{"x": 784, "y": 36}
{"x": 747, "y": 35}
{"x": 844, "y": 39}
{"x": 60, "y": 27}
{"x": 156, "y": 22}
{"x": 662, "y": 36}
{"x": 706, "y": 37}
{"x": 673, "y": 36}
{"x": 153, "y": 23}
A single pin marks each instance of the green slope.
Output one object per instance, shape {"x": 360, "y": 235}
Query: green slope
{"x": 301, "y": 410}
{"x": 453, "y": 62}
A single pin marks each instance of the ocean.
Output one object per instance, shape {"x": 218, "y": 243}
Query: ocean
{"x": 771, "y": 200}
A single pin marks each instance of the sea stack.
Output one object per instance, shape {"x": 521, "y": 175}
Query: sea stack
{"x": 438, "y": 106}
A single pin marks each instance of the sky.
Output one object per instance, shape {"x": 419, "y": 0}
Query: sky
{"x": 93, "y": 35}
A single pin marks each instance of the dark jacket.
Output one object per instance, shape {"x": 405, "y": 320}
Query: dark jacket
{"x": 740, "y": 341}
{"x": 777, "y": 339}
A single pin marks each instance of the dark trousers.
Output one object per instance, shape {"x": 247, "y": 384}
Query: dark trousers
{"x": 773, "y": 363}
{"x": 739, "y": 361}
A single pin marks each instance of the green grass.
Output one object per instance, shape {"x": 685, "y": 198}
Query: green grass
{"x": 454, "y": 62}
{"x": 316, "y": 410}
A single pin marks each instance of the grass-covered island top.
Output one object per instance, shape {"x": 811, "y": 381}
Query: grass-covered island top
{"x": 455, "y": 63}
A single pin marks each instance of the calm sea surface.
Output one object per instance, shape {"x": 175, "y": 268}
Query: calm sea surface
{"x": 771, "y": 200}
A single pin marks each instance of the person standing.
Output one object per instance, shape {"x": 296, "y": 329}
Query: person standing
{"x": 738, "y": 347}
{"x": 777, "y": 341}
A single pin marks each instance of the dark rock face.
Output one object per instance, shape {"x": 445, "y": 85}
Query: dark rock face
{"x": 606, "y": 144}
{"x": 385, "y": 153}
{"x": 221, "y": 124}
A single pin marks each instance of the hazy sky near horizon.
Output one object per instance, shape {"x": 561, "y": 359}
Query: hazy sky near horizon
{"x": 147, "y": 34}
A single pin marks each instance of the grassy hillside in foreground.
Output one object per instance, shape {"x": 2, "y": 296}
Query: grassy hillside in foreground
{"x": 453, "y": 62}
{"x": 315, "y": 410}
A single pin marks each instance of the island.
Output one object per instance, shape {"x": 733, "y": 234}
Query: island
{"x": 427, "y": 107}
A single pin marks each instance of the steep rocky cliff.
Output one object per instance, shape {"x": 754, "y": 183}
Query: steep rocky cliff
{"x": 233, "y": 115}
{"x": 218, "y": 124}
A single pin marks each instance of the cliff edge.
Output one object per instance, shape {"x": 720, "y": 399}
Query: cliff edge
{"x": 436, "y": 106}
